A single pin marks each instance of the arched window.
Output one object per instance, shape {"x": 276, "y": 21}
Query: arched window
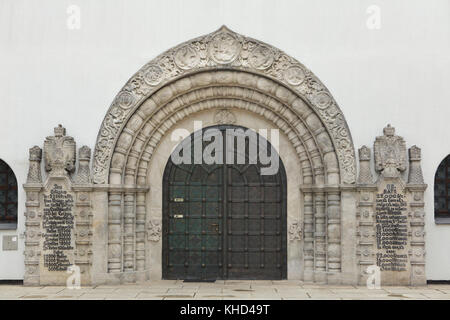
{"x": 442, "y": 192}
{"x": 8, "y": 197}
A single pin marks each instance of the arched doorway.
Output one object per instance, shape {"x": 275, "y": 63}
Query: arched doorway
{"x": 207, "y": 75}
{"x": 227, "y": 219}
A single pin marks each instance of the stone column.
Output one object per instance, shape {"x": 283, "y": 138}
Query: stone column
{"x": 33, "y": 218}
{"x": 128, "y": 229}
{"x": 308, "y": 232}
{"x": 417, "y": 187}
{"x": 114, "y": 232}
{"x": 334, "y": 235}
{"x": 83, "y": 216}
{"x": 320, "y": 251}
{"x": 140, "y": 231}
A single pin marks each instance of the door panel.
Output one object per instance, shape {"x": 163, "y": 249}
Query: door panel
{"x": 223, "y": 221}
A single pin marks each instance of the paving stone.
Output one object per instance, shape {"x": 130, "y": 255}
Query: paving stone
{"x": 231, "y": 290}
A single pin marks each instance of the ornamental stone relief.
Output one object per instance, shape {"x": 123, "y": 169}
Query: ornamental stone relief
{"x": 224, "y": 117}
{"x": 223, "y": 49}
{"x": 295, "y": 231}
{"x": 154, "y": 230}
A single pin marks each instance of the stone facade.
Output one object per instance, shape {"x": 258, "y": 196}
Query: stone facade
{"x": 113, "y": 227}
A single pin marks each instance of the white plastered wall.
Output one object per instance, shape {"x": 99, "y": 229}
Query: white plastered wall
{"x": 397, "y": 74}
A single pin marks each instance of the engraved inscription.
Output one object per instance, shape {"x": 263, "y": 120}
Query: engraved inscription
{"x": 392, "y": 230}
{"x": 58, "y": 226}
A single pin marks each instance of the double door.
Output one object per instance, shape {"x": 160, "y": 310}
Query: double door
{"x": 223, "y": 221}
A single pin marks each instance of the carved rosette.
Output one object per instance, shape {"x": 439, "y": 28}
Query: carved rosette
{"x": 224, "y": 48}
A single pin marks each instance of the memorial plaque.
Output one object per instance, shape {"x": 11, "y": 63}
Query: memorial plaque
{"x": 57, "y": 225}
{"x": 391, "y": 238}
{"x": 391, "y": 229}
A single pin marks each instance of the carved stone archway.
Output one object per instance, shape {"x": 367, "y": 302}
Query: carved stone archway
{"x": 224, "y": 70}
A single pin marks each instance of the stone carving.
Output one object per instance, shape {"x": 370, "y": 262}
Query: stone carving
{"x": 295, "y": 75}
{"x": 154, "y": 230}
{"x": 224, "y": 47}
{"x": 83, "y": 173}
{"x": 365, "y": 174}
{"x": 239, "y": 53}
{"x": 125, "y": 100}
{"x": 415, "y": 175}
{"x": 153, "y": 75}
{"x": 261, "y": 57}
{"x": 187, "y": 57}
{"x": 224, "y": 117}
{"x": 390, "y": 153}
{"x": 34, "y": 171}
{"x": 59, "y": 153}
{"x": 295, "y": 231}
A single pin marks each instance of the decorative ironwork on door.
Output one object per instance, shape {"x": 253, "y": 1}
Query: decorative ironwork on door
{"x": 224, "y": 221}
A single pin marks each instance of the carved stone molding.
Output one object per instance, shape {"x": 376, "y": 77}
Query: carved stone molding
{"x": 223, "y": 49}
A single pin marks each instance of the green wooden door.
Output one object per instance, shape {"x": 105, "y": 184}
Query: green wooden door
{"x": 223, "y": 221}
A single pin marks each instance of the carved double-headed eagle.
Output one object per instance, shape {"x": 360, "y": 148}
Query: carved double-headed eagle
{"x": 390, "y": 153}
{"x": 59, "y": 153}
